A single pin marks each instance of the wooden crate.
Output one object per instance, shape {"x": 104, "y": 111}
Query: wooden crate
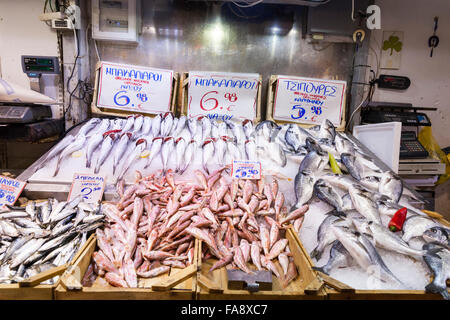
{"x": 96, "y": 111}
{"x": 212, "y": 286}
{"x": 31, "y": 289}
{"x": 184, "y": 96}
{"x": 271, "y": 88}
{"x": 336, "y": 290}
{"x": 179, "y": 284}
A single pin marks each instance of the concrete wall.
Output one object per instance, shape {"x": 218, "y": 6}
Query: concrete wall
{"x": 430, "y": 77}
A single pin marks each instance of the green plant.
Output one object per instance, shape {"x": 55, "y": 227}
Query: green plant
{"x": 392, "y": 43}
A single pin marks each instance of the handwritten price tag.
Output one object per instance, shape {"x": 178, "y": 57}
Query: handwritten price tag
{"x": 91, "y": 186}
{"x": 134, "y": 88}
{"x": 308, "y": 100}
{"x": 246, "y": 169}
{"x": 223, "y": 96}
{"x": 10, "y": 190}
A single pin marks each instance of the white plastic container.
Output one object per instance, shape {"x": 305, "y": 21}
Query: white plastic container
{"x": 383, "y": 139}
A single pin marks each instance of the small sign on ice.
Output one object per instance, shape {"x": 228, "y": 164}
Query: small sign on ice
{"x": 243, "y": 169}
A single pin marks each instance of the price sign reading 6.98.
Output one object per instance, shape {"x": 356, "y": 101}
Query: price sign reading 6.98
{"x": 223, "y": 95}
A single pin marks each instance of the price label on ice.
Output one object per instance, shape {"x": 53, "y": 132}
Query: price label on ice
{"x": 10, "y": 190}
{"x": 246, "y": 169}
{"x": 134, "y": 88}
{"x": 91, "y": 186}
{"x": 222, "y": 95}
{"x": 308, "y": 100}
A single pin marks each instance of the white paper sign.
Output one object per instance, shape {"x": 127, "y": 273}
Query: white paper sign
{"x": 308, "y": 100}
{"x": 246, "y": 169}
{"x": 91, "y": 186}
{"x": 223, "y": 96}
{"x": 10, "y": 189}
{"x": 134, "y": 88}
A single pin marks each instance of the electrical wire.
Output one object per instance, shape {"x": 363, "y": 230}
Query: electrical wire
{"x": 353, "y": 10}
{"x": 249, "y": 4}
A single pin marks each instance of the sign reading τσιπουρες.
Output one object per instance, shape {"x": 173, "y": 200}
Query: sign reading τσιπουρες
{"x": 134, "y": 88}
{"x": 243, "y": 169}
{"x": 222, "y": 95}
{"x": 10, "y": 190}
{"x": 91, "y": 186}
{"x": 308, "y": 100}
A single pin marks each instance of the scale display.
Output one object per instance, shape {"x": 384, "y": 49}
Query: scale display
{"x": 39, "y": 64}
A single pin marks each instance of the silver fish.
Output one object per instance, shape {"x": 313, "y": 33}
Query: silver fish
{"x": 120, "y": 148}
{"x": 180, "y": 149}
{"x": 313, "y": 163}
{"x": 206, "y": 127}
{"x": 76, "y": 145}
{"x": 325, "y": 192}
{"x": 303, "y": 187}
{"x": 181, "y": 124}
{"x": 91, "y": 124}
{"x": 154, "y": 150}
{"x": 391, "y": 185}
{"x": 138, "y": 122}
{"x": 439, "y": 235}
{"x": 166, "y": 124}
{"x": 64, "y": 143}
{"x": 167, "y": 149}
{"x": 339, "y": 257}
{"x": 249, "y": 131}
{"x": 146, "y": 126}
{"x": 141, "y": 145}
{"x": 416, "y": 225}
{"x": 437, "y": 259}
{"x": 363, "y": 202}
{"x": 129, "y": 124}
{"x": 92, "y": 145}
{"x": 156, "y": 125}
{"x": 189, "y": 155}
{"x": 250, "y": 150}
{"x": 207, "y": 152}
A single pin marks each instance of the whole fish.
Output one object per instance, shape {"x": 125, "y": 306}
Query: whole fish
{"x": 92, "y": 145}
{"x": 138, "y": 122}
{"x": 363, "y": 252}
{"x": 343, "y": 145}
{"x": 415, "y": 226}
{"x": 327, "y": 131}
{"x": 146, "y": 126}
{"x": 167, "y": 149}
{"x": 141, "y": 145}
{"x": 325, "y": 192}
{"x": 181, "y": 124}
{"x": 129, "y": 124}
{"x": 437, "y": 259}
{"x": 249, "y": 131}
{"x": 76, "y": 145}
{"x": 188, "y": 155}
{"x": 255, "y": 254}
{"x": 304, "y": 188}
{"x": 105, "y": 150}
{"x": 391, "y": 185}
{"x": 276, "y": 153}
{"x": 206, "y": 127}
{"x": 386, "y": 239}
{"x": 339, "y": 257}
{"x": 120, "y": 148}
{"x": 313, "y": 163}
{"x": 180, "y": 149}
{"x": 166, "y": 123}
{"x": 363, "y": 202}
{"x": 155, "y": 148}
{"x": 293, "y": 138}
{"x": 91, "y": 124}
{"x": 324, "y": 235}
{"x": 64, "y": 143}
{"x": 207, "y": 153}
{"x": 250, "y": 150}
{"x": 156, "y": 125}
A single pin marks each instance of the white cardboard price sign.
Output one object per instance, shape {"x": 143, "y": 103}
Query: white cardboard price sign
{"x": 134, "y": 88}
{"x": 10, "y": 189}
{"x": 308, "y": 100}
{"x": 243, "y": 169}
{"x": 91, "y": 186}
{"x": 223, "y": 96}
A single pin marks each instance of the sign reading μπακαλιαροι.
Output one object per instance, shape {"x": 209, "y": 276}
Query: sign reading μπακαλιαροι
{"x": 222, "y": 95}
{"x": 308, "y": 100}
{"x": 134, "y": 88}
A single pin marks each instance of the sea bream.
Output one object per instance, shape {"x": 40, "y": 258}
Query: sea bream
{"x": 363, "y": 202}
{"x": 339, "y": 257}
{"x": 437, "y": 259}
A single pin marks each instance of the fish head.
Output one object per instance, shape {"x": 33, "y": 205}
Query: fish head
{"x": 247, "y": 122}
{"x": 436, "y": 234}
{"x": 168, "y": 114}
{"x": 179, "y": 139}
{"x": 361, "y": 224}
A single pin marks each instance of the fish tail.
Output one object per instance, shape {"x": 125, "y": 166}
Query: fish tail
{"x": 316, "y": 254}
{"x": 321, "y": 269}
{"x": 433, "y": 288}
